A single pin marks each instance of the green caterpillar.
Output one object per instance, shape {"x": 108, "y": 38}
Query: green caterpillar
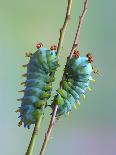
{"x": 77, "y": 79}
{"x": 39, "y": 77}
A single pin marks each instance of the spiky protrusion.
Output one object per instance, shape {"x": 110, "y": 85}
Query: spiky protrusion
{"x": 24, "y": 75}
{"x": 23, "y": 83}
{"x": 20, "y": 99}
{"x": 90, "y": 57}
{"x": 28, "y": 54}
{"x": 93, "y": 80}
{"x": 53, "y": 48}
{"x": 18, "y": 110}
{"x": 84, "y": 97}
{"x": 39, "y": 45}
{"x": 95, "y": 70}
{"x": 21, "y": 91}
{"x": 76, "y": 53}
{"x": 24, "y": 65}
{"x": 89, "y": 89}
{"x": 68, "y": 113}
{"x": 20, "y": 123}
{"x": 79, "y": 103}
{"x": 75, "y": 107}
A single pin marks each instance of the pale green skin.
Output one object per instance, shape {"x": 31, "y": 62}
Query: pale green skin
{"x": 40, "y": 70}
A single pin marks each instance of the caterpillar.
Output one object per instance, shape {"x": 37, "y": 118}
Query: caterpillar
{"x": 39, "y": 77}
{"x": 77, "y": 78}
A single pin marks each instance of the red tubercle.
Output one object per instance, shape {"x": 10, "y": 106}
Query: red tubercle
{"x": 39, "y": 45}
{"x": 53, "y": 48}
{"x": 90, "y": 57}
{"x": 76, "y": 53}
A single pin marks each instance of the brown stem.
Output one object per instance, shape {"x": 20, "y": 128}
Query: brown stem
{"x": 75, "y": 43}
{"x": 76, "y": 39}
{"x": 47, "y": 135}
{"x": 63, "y": 29}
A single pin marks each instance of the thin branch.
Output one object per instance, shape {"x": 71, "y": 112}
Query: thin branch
{"x": 34, "y": 137}
{"x": 75, "y": 43}
{"x": 60, "y": 42}
{"x": 63, "y": 29}
{"x": 47, "y": 135}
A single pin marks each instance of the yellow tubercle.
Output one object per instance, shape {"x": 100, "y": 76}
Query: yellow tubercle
{"x": 75, "y": 107}
{"x": 89, "y": 89}
{"x": 79, "y": 103}
{"x": 68, "y": 113}
{"x": 93, "y": 80}
{"x": 84, "y": 97}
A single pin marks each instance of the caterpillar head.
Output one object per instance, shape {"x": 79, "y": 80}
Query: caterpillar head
{"x": 47, "y": 58}
{"x": 81, "y": 66}
{"x": 84, "y": 67}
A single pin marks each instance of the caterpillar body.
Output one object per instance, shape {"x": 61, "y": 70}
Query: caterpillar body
{"x": 39, "y": 77}
{"x": 76, "y": 82}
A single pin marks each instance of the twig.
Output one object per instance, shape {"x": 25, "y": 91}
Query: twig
{"x": 47, "y": 135}
{"x": 60, "y": 42}
{"x": 75, "y": 43}
{"x": 34, "y": 137}
{"x": 63, "y": 29}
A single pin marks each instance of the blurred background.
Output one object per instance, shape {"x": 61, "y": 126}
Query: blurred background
{"x": 91, "y": 130}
